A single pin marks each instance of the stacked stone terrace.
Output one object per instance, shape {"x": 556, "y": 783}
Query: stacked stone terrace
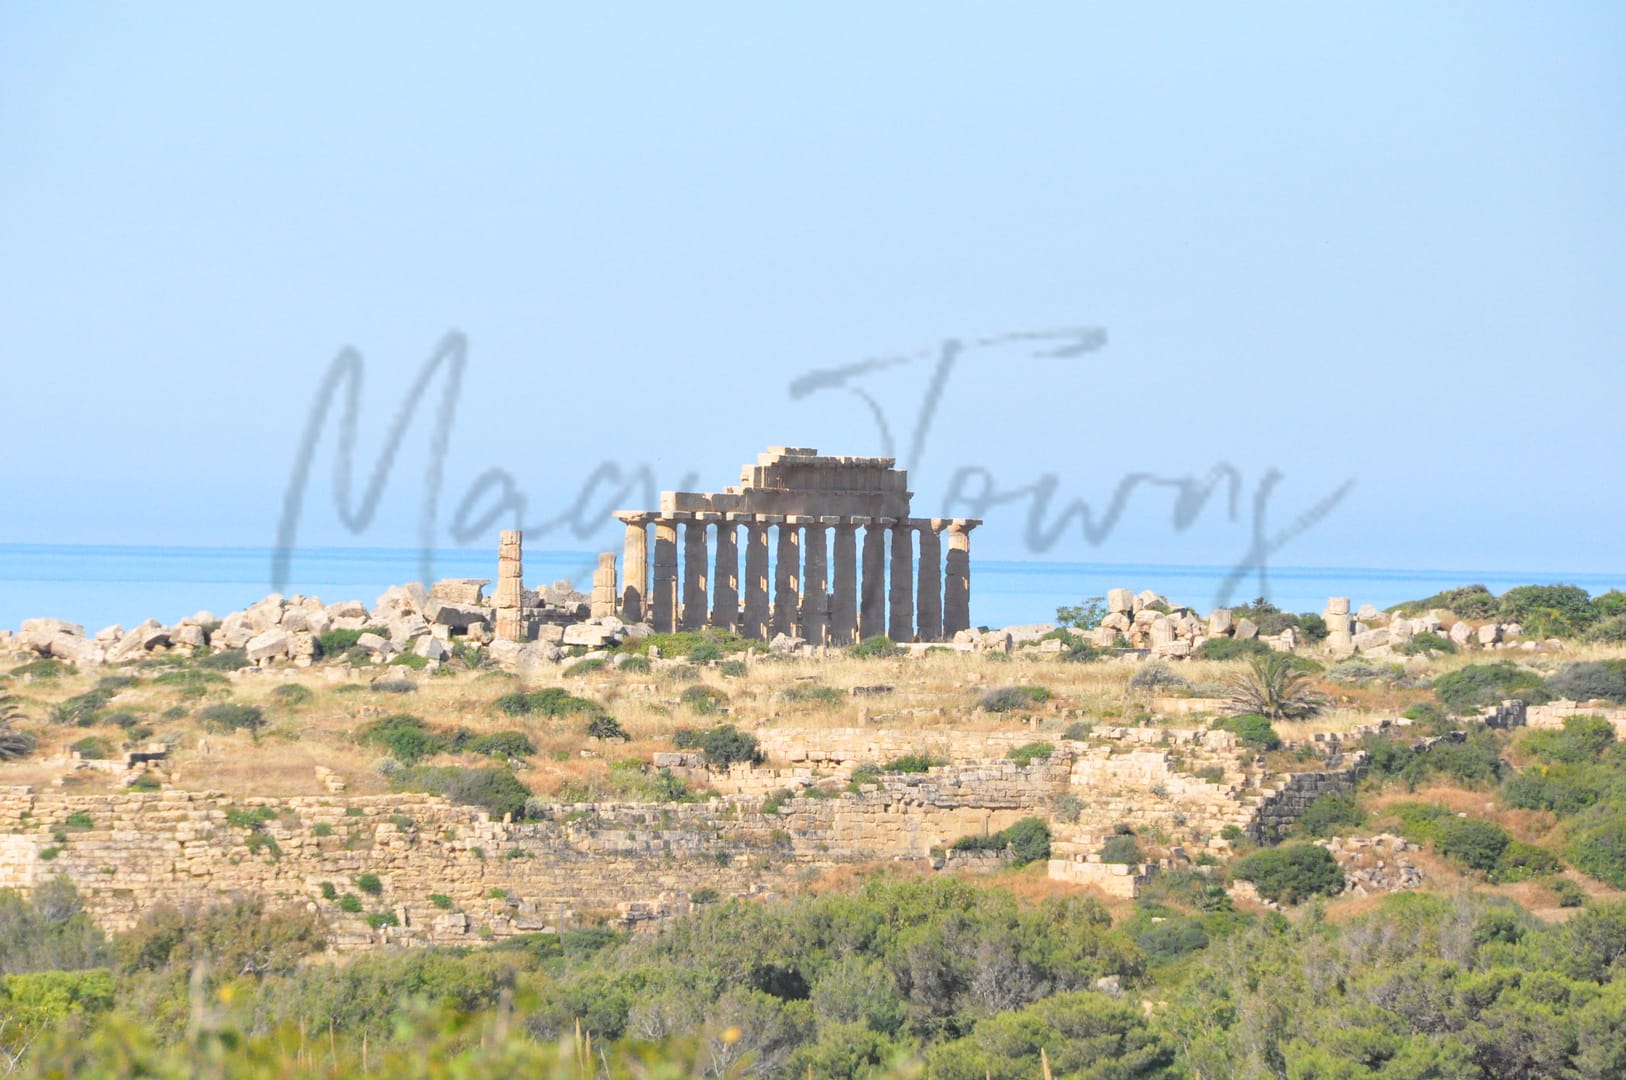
{"x": 822, "y": 590}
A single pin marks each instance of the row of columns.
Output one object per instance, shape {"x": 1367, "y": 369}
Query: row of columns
{"x": 825, "y": 601}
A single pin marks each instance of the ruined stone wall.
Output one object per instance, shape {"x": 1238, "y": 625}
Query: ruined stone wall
{"x": 631, "y": 862}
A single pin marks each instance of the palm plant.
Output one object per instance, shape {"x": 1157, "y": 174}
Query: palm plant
{"x": 1273, "y": 687}
{"x": 13, "y": 744}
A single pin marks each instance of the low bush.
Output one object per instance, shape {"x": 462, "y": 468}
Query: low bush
{"x": 1123, "y": 849}
{"x": 605, "y": 727}
{"x": 1291, "y": 873}
{"x": 1027, "y": 841}
{"x": 877, "y": 647}
{"x": 726, "y": 744}
{"x": 501, "y": 744}
{"x": 1012, "y": 698}
{"x": 705, "y": 652}
{"x": 370, "y": 884}
{"x": 1331, "y": 813}
{"x": 813, "y": 693}
{"x": 1591, "y": 680}
{"x": 405, "y": 738}
{"x": 728, "y": 669}
{"x": 1157, "y": 677}
{"x": 1028, "y": 753}
{"x": 1471, "y": 688}
{"x": 1548, "y": 610}
{"x": 549, "y": 701}
{"x": 1425, "y": 643}
{"x": 230, "y": 717}
{"x": 224, "y": 660}
{"x": 1597, "y": 844}
{"x": 913, "y": 763}
{"x": 495, "y": 790}
{"x": 1252, "y": 729}
{"x": 1225, "y": 648}
{"x": 585, "y": 667}
{"x": 292, "y": 694}
{"x": 703, "y": 699}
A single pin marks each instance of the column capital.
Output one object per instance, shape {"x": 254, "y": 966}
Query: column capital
{"x": 734, "y": 517}
{"x": 828, "y": 519}
{"x": 635, "y": 517}
{"x": 770, "y": 519}
{"x": 707, "y": 516}
{"x": 679, "y": 515}
{"x": 964, "y": 525}
{"x": 799, "y": 519}
{"x": 883, "y": 522}
{"x": 854, "y": 522}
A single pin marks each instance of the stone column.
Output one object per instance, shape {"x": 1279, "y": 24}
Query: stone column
{"x": 635, "y": 567}
{"x": 929, "y": 599}
{"x": 816, "y": 583}
{"x": 1340, "y": 627}
{"x": 872, "y": 597}
{"x": 844, "y": 601}
{"x": 787, "y": 577}
{"x": 957, "y": 577}
{"x": 725, "y": 580}
{"x": 695, "y": 573}
{"x": 901, "y": 595}
{"x": 756, "y": 576}
{"x": 663, "y": 595}
{"x": 602, "y": 602}
{"x": 510, "y": 597}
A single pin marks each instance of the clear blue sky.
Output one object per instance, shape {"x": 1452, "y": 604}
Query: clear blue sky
{"x": 1384, "y": 244}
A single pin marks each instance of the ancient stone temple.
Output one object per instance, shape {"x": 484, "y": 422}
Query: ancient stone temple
{"x": 827, "y": 586}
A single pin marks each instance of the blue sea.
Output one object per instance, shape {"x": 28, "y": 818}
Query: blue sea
{"x": 101, "y": 585}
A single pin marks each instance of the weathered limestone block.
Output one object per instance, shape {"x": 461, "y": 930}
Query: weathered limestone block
{"x": 455, "y": 615}
{"x": 1120, "y": 601}
{"x": 1219, "y": 622}
{"x": 470, "y": 591}
{"x": 603, "y": 602}
{"x": 1461, "y": 632}
{"x": 1368, "y": 640}
{"x": 592, "y": 635}
{"x": 1337, "y": 605}
{"x": 271, "y": 644}
{"x": 1246, "y": 630}
{"x": 430, "y": 648}
{"x": 1489, "y": 634}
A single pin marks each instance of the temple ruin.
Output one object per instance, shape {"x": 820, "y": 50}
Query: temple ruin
{"x": 825, "y": 587}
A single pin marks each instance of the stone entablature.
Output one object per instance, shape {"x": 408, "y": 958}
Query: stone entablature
{"x": 826, "y": 587}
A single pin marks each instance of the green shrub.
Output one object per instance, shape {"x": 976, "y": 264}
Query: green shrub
{"x": 1225, "y": 648}
{"x": 1567, "y": 892}
{"x": 702, "y": 699}
{"x": 605, "y": 727}
{"x": 441, "y": 900}
{"x": 729, "y": 669}
{"x": 1470, "y": 688}
{"x": 1429, "y": 717}
{"x": 328, "y": 891}
{"x": 1468, "y": 602}
{"x": 292, "y": 694}
{"x": 1011, "y": 698}
{"x": 82, "y": 710}
{"x": 1123, "y": 849}
{"x": 225, "y": 660}
{"x": 1028, "y": 753}
{"x": 1252, "y": 729}
{"x": 1079, "y": 651}
{"x": 867, "y": 773}
{"x": 705, "y": 652}
{"x": 145, "y": 782}
{"x": 1079, "y": 730}
{"x": 380, "y": 919}
{"x": 1597, "y": 844}
{"x": 501, "y": 744}
{"x": 1291, "y": 873}
{"x": 1591, "y": 680}
{"x": 410, "y": 660}
{"x": 1475, "y": 843}
{"x": 1086, "y": 616}
{"x": 1157, "y": 677}
{"x": 495, "y": 790}
{"x": 726, "y": 744}
{"x": 584, "y": 667}
{"x": 350, "y": 903}
{"x": 79, "y": 820}
{"x": 94, "y": 748}
{"x": 549, "y": 701}
{"x": 229, "y": 717}
{"x": 405, "y": 738}
{"x": 1582, "y": 740}
{"x": 877, "y": 647}
{"x": 1548, "y": 610}
{"x": 1330, "y": 813}
{"x": 40, "y": 669}
{"x": 812, "y": 693}
{"x": 1610, "y": 630}
{"x": 1426, "y": 642}
{"x": 1027, "y": 841}
{"x": 370, "y": 884}
{"x": 913, "y": 763}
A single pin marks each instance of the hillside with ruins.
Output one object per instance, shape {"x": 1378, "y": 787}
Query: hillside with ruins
{"x": 560, "y": 781}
